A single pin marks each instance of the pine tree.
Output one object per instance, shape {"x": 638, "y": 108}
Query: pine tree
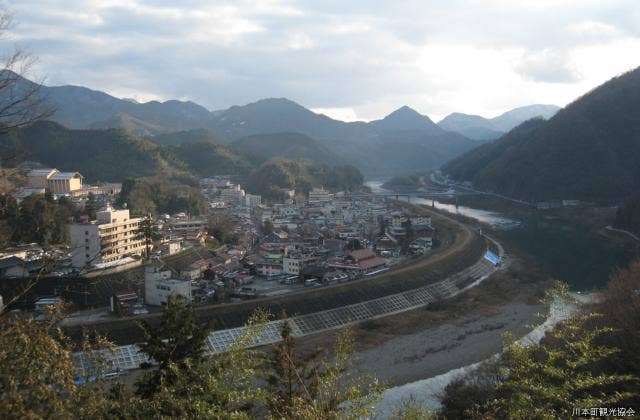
{"x": 177, "y": 343}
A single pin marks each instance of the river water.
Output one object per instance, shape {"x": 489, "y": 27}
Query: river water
{"x": 427, "y": 392}
{"x": 495, "y": 219}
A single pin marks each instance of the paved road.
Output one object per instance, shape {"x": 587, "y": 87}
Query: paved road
{"x": 129, "y": 357}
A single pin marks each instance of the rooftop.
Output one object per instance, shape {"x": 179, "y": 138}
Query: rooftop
{"x": 66, "y": 175}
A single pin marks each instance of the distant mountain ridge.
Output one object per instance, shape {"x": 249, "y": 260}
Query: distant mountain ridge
{"x": 480, "y": 128}
{"x": 589, "y": 150}
{"x": 403, "y": 142}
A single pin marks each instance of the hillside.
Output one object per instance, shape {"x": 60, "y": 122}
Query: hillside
{"x": 99, "y": 155}
{"x": 196, "y": 135}
{"x": 205, "y": 159}
{"x": 589, "y": 150}
{"x": 301, "y": 175}
{"x": 480, "y": 128}
{"x": 286, "y": 145}
{"x": 403, "y": 142}
{"x": 115, "y": 154}
{"x": 127, "y": 122}
{"x": 426, "y": 145}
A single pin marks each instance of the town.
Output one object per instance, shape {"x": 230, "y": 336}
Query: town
{"x": 241, "y": 248}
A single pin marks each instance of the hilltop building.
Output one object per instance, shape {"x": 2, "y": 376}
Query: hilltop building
{"x": 39, "y": 178}
{"x": 64, "y": 183}
{"x": 112, "y": 236}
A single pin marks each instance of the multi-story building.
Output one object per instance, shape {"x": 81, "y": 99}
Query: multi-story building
{"x": 252, "y": 200}
{"x": 190, "y": 224}
{"x": 233, "y": 195}
{"x": 159, "y": 285}
{"x": 112, "y": 236}
{"x": 293, "y": 264}
{"x": 319, "y": 196}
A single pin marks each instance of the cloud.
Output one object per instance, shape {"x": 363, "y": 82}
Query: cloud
{"x": 342, "y": 114}
{"x": 549, "y": 66}
{"x": 351, "y": 58}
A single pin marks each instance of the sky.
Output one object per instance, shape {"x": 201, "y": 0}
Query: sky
{"x": 352, "y": 60}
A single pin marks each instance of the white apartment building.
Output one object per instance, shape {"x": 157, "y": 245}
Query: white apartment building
{"x": 233, "y": 195}
{"x": 112, "y": 236}
{"x": 294, "y": 264}
{"x": 319, "y": 196}
{"x": 158, "y": 285}
{"x": 252, "y": 200}
{"x": 187, "y": 224}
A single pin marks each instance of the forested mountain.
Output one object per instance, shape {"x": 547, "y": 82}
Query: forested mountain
{"x": 127, "y": 122}
{"x": 115, "y": 154}
{"x": 287, "y": 145}
{"x": 480, "y": 128}
{"x": 589, "y": 150}
{"x": 205, "y": 159}
{"x": 403, "y": 142}
{"x": 150, "y": 168}
{"x": 196, "y": 135}
{"x": 80, "y": 107}
{"x": 301, "y": 175}
{"x": 362, "y": 144}
{"x": 277, "y": 115}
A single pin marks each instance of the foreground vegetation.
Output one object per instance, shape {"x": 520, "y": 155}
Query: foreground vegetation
{"x": 586, "y": 362}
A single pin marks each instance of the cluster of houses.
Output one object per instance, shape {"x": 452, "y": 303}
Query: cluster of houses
{"x": 327, "y": 238}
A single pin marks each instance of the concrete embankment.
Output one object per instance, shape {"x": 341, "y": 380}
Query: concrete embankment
{"x": 460, "y": 248}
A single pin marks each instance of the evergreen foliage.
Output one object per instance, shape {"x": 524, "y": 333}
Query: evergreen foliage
{"x": 589, "y": 150}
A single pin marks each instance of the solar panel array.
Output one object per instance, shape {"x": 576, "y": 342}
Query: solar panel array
{"x": 130, "y": 357}
{"x": 119, "y": 359}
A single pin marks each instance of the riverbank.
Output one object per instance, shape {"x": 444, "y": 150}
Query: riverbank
{"x": 446, "y": 335}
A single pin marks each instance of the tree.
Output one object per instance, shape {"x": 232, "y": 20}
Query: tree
{"x": 267, "y": 227}
{"x": 146, "y": 231}
{"x": 37, "y": 371}
{"x": 220, "y": 226}
{"x": 177, "y": 343}
{"x": 192, "y": 386}
{"x": 43, "y": 220}
{"x": 319, "y": 387}
{"x": 549, "y": 380}
{"x": 287, "y": 375}
{"x": 21, "y": 102}
{"x": 9, "y": 212}
{"x": 91, "y": 206}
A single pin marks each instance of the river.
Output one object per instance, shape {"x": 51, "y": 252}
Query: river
{"x": 427, "y": 392}
{"x": 495, "y": 219}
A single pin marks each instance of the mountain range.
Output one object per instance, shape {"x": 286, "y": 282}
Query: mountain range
{"x": 588, "y": 150}
{"x": 403, "y": 142}
{"x": 479, "y": 128}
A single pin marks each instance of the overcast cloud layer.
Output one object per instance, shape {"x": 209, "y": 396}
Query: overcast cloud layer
{"x": 356, "y": 59}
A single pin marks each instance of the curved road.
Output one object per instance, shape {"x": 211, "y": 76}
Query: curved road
{"x": 129, "y": 357}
